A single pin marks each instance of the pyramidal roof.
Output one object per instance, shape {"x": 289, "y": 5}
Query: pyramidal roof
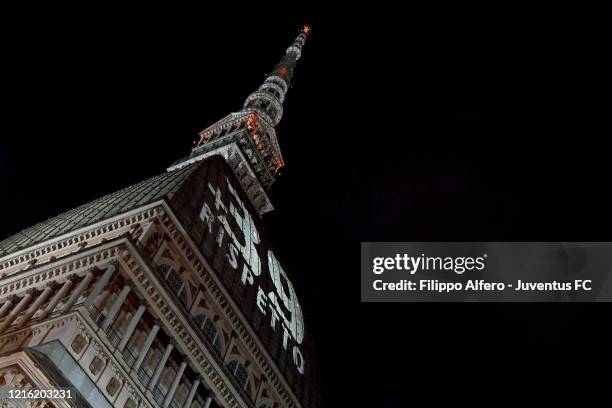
{"x": 153, "y": 189}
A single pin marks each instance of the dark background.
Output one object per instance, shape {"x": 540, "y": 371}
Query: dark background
{"x": 401, "y": 125}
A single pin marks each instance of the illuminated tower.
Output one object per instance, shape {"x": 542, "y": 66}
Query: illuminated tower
{"x": 166, "y": 293}
{"x": 247, "y": 139}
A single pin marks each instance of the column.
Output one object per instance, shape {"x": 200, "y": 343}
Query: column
{"x": 42, "y": 298}
{"x": 175, "y": 383}
{"x": 160, "y": 366}
{"x": 56, "y": 299}
{"x": 101, "y": 300}
{"x": 100, "y": 285}
{"x": 146, "y": 346}
{"x": 7, "y": 305}
{"x": 262, "y": 380}
{"x": 95, "y": 310}
{"x": 229, "y": 347}
{"x": 77, "y": 292}
{"x": 131, "y": 327}
{"x": 18, "y": 309}
{"x": 112, "y": 313}
{"x": 208, "y": 402}
{"x": 192, "y": 392}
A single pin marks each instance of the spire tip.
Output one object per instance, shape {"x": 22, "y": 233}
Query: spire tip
{"x": 306, "y": 29}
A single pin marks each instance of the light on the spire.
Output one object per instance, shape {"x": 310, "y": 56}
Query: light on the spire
{"x": 253, "y": 123}
{"x": 282, "y": 72}
{"x": 306, "y": 29}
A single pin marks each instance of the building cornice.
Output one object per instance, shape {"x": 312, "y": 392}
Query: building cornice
{"x": 78, "y": 236}
{"x": 59, "y": 268}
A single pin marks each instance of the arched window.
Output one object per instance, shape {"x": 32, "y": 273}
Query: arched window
{"x": 79, "y": 343}
{"x": 209, "y": 328}
{"x": 151, "y": 360}
{"x": 167, "y": 377}
{"x": 198, "y": 402}
{"x": 113, "y": 386}
{"x": 174, "y": 280}
{"x": 241, "y": 375}
{"x": 130, "y": 403}
{"x": 96, "y": 365}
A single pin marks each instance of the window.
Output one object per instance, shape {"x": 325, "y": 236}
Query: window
{"x": 174, "y": 280}
{"x": 96, "y": 365}
{"x": 150, "y": 362}
{"x": 198, "y": 402}
{"x": 153, "y": 243}
{"x": 210, "y": 330}
{"x": 241, "y": 375}
{"x": 79, "y": 343}
{"x": 130, "y": 403}
{"x": 167, "y": 377}
{"x": 113, "y": 386}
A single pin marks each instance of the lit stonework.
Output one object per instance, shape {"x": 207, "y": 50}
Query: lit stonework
{"x": 165, "y": 294}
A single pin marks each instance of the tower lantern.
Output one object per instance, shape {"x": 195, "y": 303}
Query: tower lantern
{"x": 247, "y": 139}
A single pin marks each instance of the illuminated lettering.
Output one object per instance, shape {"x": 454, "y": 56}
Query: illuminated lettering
{"x": 207, "y": 216}
{"x": 261, "y": 300}
{"x": 232, "y": 256}
{"x": 298, "y": 359}
{"x": 236, "y": 229}
{"x": 285, "y": 336}
{"x": 245, "y": 222}
{"x": 247, "y": 275}
{"x": 288, "y": 298}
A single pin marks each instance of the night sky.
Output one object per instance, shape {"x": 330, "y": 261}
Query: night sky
{"x": 401, "y": 125}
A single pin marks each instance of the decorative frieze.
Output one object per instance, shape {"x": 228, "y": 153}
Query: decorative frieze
{"x": 86, "y": 237}
{"x": 51, "y": 273}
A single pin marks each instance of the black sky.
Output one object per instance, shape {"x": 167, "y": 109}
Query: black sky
{"x": 401, "y": 125}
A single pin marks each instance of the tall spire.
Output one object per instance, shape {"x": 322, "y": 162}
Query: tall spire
{"x": 267, "y": 100}
{"x": 247, "y": 138}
